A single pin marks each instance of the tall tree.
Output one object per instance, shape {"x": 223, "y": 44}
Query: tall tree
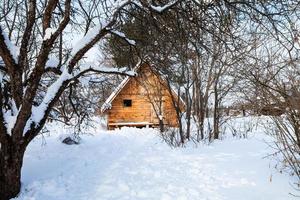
{"x": 32, "y": 35}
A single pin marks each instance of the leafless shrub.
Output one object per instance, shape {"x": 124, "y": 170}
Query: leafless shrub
{"x": 172, "y": 137}
{"x": 287, "y": 143}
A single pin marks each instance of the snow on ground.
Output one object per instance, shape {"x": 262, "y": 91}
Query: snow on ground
{"x": 135, "y": 164}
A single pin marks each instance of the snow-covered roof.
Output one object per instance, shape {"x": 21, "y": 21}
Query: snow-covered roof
{"x": 107, "y": 103}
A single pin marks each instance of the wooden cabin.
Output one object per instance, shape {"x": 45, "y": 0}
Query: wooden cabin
{"x": 142, "y": 100}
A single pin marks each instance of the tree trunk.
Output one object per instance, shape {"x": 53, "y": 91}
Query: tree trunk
{"x": 161, "y": 126}
{"x": 11, "y": 159}
{"x": 216, "y": 117}
{"x": 202, "y": 116}
{"x": 188, "y": 123}
{"x": 216, "y": 126}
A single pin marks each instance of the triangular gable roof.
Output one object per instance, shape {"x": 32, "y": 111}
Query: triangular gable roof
{"x": 107, "y": 104}
{"x": 112, "y": 96}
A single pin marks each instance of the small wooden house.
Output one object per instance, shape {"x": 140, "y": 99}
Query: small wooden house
{"x": 141, "y": 101}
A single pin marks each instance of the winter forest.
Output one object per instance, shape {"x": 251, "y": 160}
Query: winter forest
{"x": 214, "y": 115}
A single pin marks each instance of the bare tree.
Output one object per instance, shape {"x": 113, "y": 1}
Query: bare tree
{"x": 272, "y": 82}
{"x": 155, "y": 92}
{"x": 31, "y": 34}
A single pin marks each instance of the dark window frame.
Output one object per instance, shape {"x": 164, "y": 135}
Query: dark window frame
{"x": 127, "y": 103}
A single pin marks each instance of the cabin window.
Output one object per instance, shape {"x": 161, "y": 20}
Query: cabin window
{"x": 127, "y": 102}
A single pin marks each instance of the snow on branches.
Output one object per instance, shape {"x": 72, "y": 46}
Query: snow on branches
{"x": 30, "y": 114}
{"x": 13, "y": 49}
{"x": 122, "y": 35}
{"x": 161, "y": 9}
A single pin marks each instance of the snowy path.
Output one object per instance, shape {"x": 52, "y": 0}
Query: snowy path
{"x": 134, "y": 164}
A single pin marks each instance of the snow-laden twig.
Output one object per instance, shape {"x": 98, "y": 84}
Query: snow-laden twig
{"x": 161, "y": 9}
{"x": 122, "y": 35}
{"x": 10, "y": 116}
{"x": 13, "y": 49}
{"x": 48, "y": 33}
{"x": 86, "y": 39}
{"x": 90, "y": 66}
